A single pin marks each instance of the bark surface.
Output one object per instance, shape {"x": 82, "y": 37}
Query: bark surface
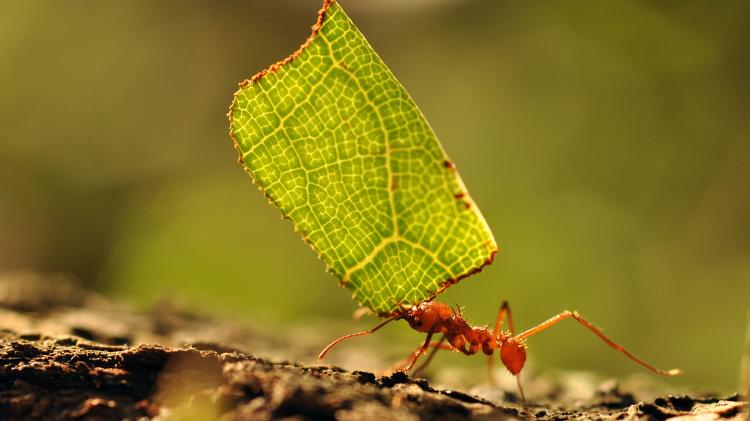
{"x": 69, "y": 354}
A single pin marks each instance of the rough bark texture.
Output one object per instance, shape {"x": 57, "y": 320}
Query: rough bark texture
{"x": 66, "y": 354}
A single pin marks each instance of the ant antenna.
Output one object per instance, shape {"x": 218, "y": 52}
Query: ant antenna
{"x": 352, "y": 335}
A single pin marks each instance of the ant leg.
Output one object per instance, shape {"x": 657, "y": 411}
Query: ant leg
{"x": 567, "y": 315}
{"x": 439, "y": 345}
{"x": 352, "y": 335}
{"x": 520, "y": 388}
{"x": 435, "y": 347}
{"x": 505, "y": 310}
{"x": 414, "y": 356}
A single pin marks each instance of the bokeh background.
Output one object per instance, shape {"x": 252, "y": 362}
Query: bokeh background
{"x": 607, "y": 143}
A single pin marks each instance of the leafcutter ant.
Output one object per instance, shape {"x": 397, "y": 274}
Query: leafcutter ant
{"x": 458, "y": 335}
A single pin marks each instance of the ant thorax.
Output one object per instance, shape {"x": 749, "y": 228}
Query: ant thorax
{"x": 433, "y": 317}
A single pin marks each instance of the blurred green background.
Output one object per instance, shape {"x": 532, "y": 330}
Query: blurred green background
{"x": 607, "y": 144}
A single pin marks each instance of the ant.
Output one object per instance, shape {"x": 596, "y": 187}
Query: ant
{"x": 433, "y": 317}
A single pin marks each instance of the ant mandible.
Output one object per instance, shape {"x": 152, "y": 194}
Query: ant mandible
{"x": 433, "y": 317}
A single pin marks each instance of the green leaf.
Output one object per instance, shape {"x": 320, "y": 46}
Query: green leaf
{"x": 338, "y": 145}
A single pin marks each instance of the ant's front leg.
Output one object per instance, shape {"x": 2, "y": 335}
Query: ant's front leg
{"x": 414, "y": 356}
{"x": 409, "y": 361}
{"x": 435, "y": 347}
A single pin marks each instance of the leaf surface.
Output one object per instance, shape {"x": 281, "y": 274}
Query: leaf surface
{"x": 338, "y": 145}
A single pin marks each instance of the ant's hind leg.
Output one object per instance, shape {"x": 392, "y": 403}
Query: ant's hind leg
{"x": 504, "y": 309}
{"x": 501, "y": 314}
{"x": 617, "y": 347}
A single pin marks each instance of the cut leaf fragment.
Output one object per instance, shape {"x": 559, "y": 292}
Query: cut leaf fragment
{"x": 338, "y": 145}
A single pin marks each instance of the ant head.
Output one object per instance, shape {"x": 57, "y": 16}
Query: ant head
{"x": 513, "y": 355}
{"x": 419, "y": 318}
{"x": 425, "y": 316}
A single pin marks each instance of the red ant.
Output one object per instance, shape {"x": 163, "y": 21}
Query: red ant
{"x": 433, "y": 317}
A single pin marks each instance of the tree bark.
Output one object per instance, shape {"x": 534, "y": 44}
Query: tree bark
{"x": 66, "y": 353}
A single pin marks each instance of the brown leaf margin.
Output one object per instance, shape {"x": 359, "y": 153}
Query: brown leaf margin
{"x": 315, "y": 29}
{"x": 276, "y": 66}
